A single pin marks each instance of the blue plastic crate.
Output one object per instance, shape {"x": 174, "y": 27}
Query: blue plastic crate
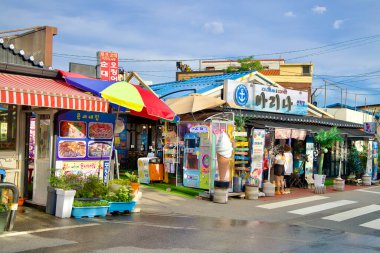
{"x": 121, "y": 206}
{"x": 89, "y": 211}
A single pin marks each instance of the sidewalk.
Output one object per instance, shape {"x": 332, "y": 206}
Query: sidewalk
{"x": 156, "y": 202}
{"x": 300, "y": 192}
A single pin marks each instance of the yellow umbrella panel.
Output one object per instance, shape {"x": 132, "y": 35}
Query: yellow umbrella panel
{"x": 125, "y": 95}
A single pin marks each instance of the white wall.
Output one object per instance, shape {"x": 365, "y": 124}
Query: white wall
{"x": 351, "y": 115}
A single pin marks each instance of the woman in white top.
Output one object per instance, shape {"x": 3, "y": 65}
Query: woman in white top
{"x": 279, "y": 171}
{"x": 288, "y": 166}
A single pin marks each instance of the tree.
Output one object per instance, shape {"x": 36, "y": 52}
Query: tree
{"x": 326, "y": 139}
{"x": 246, "y": 64}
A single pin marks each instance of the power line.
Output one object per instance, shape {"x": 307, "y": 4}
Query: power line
{"x": 342, "y": 44}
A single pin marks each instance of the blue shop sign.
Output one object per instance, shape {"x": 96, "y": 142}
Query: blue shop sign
{"x": 241, "y": 95}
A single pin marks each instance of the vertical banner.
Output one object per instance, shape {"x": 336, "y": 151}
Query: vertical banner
{"x": 257, "y": 155}
{"x": 108, "y": 63}
{"x": 375, "y": 156}
{"x": 369, "y": 159}
{"x": 310, "y": 156}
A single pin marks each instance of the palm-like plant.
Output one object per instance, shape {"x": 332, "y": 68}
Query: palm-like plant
{"x": 327, "y": 139}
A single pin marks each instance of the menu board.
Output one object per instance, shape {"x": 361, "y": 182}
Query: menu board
{"x": 84, "y": 136}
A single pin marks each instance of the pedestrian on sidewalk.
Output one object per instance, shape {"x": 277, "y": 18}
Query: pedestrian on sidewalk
{"x": 279, "y": 171}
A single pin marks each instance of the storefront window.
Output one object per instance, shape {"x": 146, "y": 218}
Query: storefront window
{"x": 44, "y": 137}
{"x": 8, "y": 124}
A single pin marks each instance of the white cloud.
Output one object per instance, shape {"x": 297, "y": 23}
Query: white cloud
{"x": 214, "y": 27}
{"x": 289, "y": 14}
{"x": 338, "y": 23}
{"x": 319, "y": 9}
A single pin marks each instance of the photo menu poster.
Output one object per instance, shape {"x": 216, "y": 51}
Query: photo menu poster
{"x": 84, "y": 136}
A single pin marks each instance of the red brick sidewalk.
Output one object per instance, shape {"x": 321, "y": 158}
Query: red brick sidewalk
{"x": 299, "y": 192}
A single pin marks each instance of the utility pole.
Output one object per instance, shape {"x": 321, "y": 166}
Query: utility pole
{"x": 341, "y": 96}
{"x": 345, "y": 102}
{"x": 325, "y": 93}
{"x": 355, "y": 101}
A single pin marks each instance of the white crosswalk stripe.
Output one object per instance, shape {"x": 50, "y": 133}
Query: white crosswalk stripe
{"x": 353, "y": 213}
{"x": 322, "y": 207}
{"x": 292, "y": 202}
{"x": 375, "y": 224}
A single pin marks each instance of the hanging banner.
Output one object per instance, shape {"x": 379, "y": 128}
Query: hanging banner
{"x": 375, "y": 156}
{"x": 369, "y": 159}
{"x": 257, "y": 155}
{"x": 370, "y": 127}
{"x": 310, "y": 156}
{"x": 266, "y": 98}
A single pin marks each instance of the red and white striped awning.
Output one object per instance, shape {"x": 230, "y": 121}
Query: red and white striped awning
{"x": 43, "y": 92}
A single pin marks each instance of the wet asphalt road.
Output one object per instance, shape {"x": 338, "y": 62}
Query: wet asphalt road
{"x": 169, "y": 225}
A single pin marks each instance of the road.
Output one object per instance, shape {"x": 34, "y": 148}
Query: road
{"x": 346, "y": 221}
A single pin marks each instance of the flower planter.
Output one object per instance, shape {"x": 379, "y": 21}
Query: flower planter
{"x": 251, "y": 192}
{"x": 121, "y": 206}
{"x": 339, "y": 184}
{"x": 89, "y": 211}
{"x": 4, "y": 216}
{"x": 64, "y": 203}
{"x": 366, "y": 180}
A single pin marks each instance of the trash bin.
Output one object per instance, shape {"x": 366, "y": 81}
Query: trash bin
{"x": 156, "y": 169}
{"x": 51, "y": 200}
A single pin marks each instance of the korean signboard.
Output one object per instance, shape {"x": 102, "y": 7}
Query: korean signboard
{"x": 266, "y": 98}
{"x": 84, "y": 141}
{"x": 108, "y": 66}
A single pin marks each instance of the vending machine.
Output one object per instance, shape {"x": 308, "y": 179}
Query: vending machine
{"x": 191, "y": 173}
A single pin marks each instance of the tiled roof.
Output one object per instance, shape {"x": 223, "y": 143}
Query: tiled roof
{"x": 194, "y": 85}
{"x": 270, "y": 72}
{"x": 21, "y": 54}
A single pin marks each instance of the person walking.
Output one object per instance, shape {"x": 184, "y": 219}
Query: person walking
{"x": 279, "y": 171}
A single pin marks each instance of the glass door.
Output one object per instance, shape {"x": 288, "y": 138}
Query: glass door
{"x": 43, "y": 156}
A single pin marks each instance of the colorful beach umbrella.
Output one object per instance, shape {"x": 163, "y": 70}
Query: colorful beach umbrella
{"x": 138, "y": 100}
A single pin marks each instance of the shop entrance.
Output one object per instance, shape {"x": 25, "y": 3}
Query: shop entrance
{"x": 38, "y": 154}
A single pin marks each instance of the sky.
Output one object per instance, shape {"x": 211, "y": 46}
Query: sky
{"x": 340, "y": 38}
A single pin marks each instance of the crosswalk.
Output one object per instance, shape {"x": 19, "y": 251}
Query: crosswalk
{"x": 328, "y": 206}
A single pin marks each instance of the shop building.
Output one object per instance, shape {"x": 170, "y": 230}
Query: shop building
{"x": 284, "y": 115}
{"x": 30, "y": 100}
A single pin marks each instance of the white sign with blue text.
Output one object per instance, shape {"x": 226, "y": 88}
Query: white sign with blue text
{"x": 266, "y": 98}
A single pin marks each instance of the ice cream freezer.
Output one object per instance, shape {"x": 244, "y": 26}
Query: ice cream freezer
{"x": 150, "y": 169}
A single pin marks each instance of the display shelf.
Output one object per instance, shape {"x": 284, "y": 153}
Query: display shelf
{"x": 241, "y": 156}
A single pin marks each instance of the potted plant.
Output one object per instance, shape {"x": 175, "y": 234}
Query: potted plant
{"x": 120, "y": 198}
{"x": 326, "y": 140}
{"x": 88, "y": 201}
{"x": 356, "y": 166}
{"x": 240, "y": 122}
{"x": 133, "y": 182}
{"x": 89, "y": 208}
{"x": 65, "y": 190}
{"x": 4, "y": 216}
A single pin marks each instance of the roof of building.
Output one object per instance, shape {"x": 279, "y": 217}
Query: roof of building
{"x": 270, "y": 72}
{"x": 194, "y": 85}
{"x": 17, "y": 56}
{"x": 339, "y": 105}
